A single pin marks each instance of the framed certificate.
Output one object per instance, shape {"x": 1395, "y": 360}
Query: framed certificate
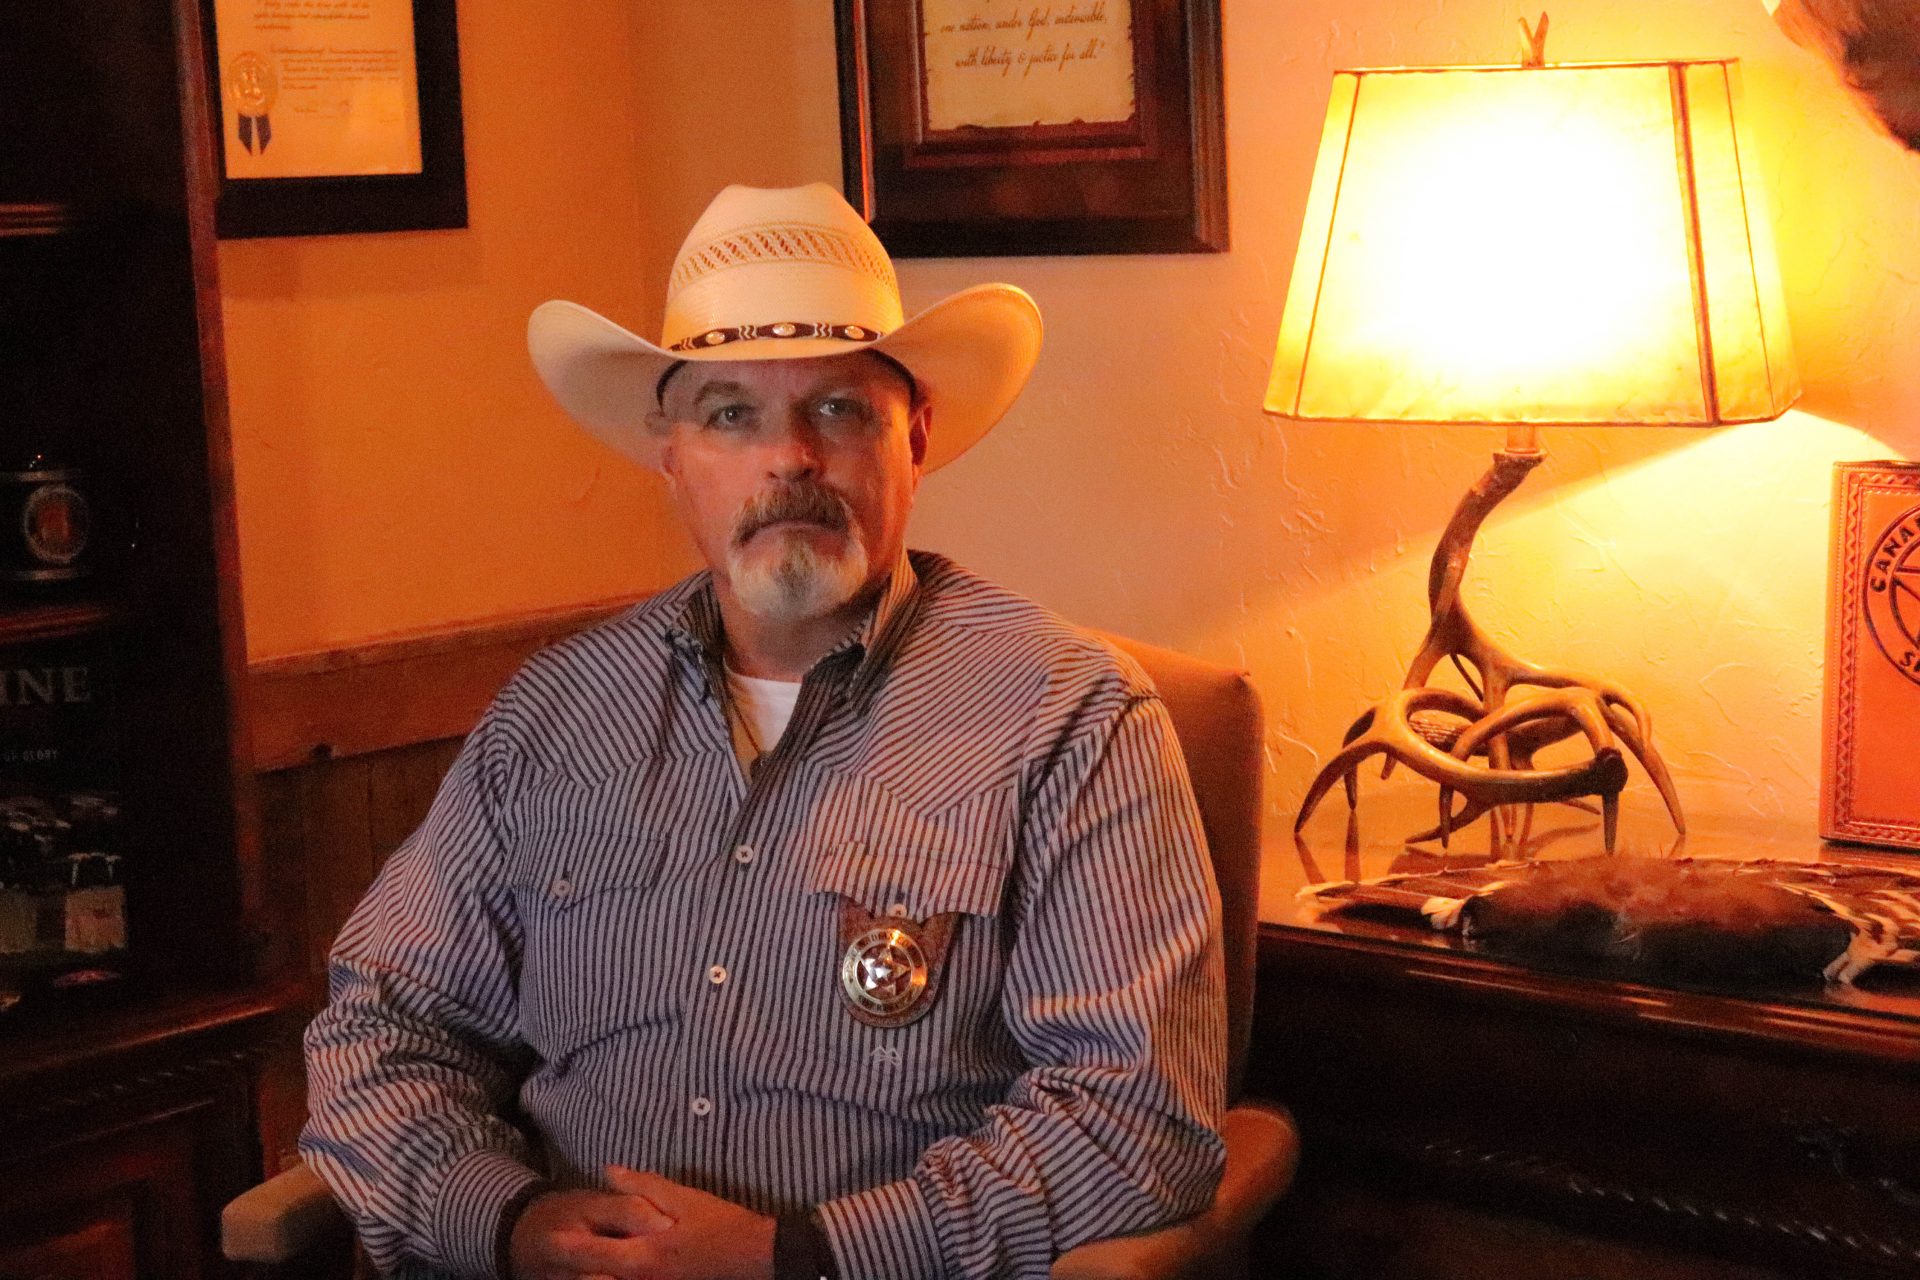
{"x": 337, "y": 116}
{"x": 1044, "y": 126}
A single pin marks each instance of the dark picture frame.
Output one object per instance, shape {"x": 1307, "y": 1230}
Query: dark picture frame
{"x": 434, "y": 199}
{"x": 1153, "y": 184}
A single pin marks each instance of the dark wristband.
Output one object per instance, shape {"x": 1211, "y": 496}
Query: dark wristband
{"x": 509, "y": 1218}
{"x": 800, "y": 1249}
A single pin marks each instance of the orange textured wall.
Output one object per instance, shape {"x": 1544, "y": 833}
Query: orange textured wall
{"x": 398, "y": 466}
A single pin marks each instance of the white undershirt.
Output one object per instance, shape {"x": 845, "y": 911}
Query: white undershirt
{"x": 767, "y": 705}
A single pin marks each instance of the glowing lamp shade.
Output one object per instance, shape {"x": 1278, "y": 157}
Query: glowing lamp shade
{"x": 1560, "y": 244}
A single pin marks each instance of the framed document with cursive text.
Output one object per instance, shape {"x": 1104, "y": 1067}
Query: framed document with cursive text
{"x": 973, "y": 127}
{"x": 337, "y": 116}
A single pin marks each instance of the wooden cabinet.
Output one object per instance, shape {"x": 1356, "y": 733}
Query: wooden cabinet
{"x": 120, "y": 1193}
{"x": 125, "y": 1064}
{"x": 1463, "y": 1115}
{"x": 100, "y": 1245}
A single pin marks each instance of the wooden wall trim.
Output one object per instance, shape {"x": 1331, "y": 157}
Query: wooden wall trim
{"x": 397, "y": 691}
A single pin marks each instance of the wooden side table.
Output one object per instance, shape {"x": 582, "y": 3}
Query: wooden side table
{"x": 1468, "y": 1116}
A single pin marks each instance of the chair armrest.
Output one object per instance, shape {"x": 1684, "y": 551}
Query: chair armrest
{"x": 293, "y": 1213}
{"x": 284, "y": 1217}
{"x": 1263, "y": 1147}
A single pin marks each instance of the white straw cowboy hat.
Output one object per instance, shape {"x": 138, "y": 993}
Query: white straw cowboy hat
{"x": 780, "y": 275}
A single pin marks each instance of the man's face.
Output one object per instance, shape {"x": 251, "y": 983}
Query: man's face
{"x": 795, "y": 477}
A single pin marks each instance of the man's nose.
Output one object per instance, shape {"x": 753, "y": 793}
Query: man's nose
{"x": 796, "y": 450}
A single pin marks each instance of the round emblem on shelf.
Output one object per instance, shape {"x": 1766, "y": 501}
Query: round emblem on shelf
{"x": 1893, "y": 594}
{"x": 884, "y": 971}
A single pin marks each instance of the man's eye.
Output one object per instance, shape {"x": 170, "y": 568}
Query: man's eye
{"x": 730, "y": 415}
{"x": 843, "y": 408}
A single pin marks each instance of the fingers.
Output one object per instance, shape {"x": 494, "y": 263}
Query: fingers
{"x": 623, "y": 1213}
{"x": 635, "y": 1183}
{"x": 581, "y": 1253}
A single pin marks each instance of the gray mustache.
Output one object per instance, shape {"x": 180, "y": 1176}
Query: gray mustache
{"x": 813, "y": 503}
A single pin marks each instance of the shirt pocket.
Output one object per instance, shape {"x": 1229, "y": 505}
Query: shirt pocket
{"x": 917, "y": 884}
{"x": 585, "y": 895}
{"x": 942, "y": 1069}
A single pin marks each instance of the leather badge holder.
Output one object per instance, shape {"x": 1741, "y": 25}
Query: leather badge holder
{"x": 1870, "y": 776}
{"x": 890, "y": 966}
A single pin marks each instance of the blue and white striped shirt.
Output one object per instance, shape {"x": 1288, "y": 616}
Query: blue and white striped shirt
{"x": 610, "y": 944}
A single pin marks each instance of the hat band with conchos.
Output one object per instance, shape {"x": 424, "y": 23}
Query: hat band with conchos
{"x": 782, "y": 329}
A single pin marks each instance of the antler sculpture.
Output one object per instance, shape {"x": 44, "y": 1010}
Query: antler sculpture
{"x": 1516, "y": 708}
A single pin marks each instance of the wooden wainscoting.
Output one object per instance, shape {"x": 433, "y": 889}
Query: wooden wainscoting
{"x": 351, "y": 746}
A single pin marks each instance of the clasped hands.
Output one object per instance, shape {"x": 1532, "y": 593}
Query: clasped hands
{"x": 644, "y": 1228}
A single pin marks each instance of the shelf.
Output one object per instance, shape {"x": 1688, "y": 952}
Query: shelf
{"x": 47, "y": 218}
{"x": 22, "y": 624}
{"x": 145, "y": 1016}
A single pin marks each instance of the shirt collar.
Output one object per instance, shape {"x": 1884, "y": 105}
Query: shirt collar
{"x": 696, "y": 629}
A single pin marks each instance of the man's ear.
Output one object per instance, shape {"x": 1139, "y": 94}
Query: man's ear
{"x": 920, "y": 432}
{"x": 656, "y": 446}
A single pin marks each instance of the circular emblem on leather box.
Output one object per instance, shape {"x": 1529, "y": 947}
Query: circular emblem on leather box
{"x": 55, "y": 523}
{"x": 1893, "y": 594}
{"x": 884, "y": 971}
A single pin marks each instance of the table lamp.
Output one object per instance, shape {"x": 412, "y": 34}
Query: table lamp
{"x": 1570, "y": 245}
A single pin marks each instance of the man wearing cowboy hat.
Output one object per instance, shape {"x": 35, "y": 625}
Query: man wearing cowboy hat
{"x": 833, "y": 912}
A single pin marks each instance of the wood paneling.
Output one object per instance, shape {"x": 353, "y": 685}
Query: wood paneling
{"x": 396, "y": 692}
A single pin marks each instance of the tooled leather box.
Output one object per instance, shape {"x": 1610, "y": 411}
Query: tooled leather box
{"x": 1870, "y": 754}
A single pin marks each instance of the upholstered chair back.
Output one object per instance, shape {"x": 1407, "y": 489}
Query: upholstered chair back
{"x": 1216, "y": 714}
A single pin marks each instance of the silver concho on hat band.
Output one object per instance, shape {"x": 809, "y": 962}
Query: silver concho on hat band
{"x": 890, "y": 966}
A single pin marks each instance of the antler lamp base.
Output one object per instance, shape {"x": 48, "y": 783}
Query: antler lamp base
{"x": 1481, "y": 744}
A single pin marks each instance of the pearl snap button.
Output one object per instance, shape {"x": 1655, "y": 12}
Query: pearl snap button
{"x": 717, "y": 975}
{"x": 703, "y": 1106}
{"x": 562, "y": 887}
{"x": 743, "y": 855}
